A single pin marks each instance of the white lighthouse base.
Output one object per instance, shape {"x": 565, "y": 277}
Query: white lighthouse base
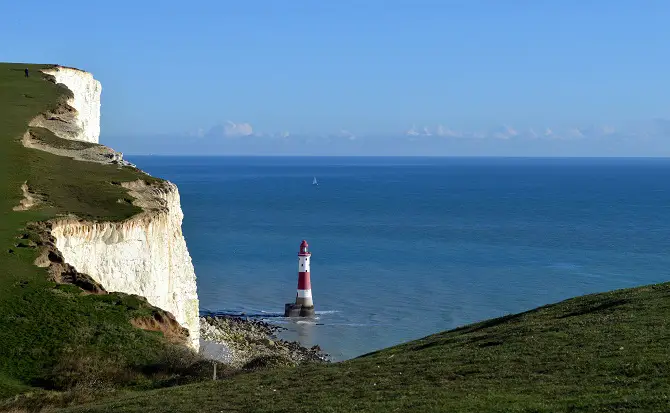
{"x": 297, "y": 310}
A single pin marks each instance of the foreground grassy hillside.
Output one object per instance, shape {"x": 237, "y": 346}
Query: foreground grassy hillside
{"x": 598, "y": 353}
{"x": 48, "y": 331}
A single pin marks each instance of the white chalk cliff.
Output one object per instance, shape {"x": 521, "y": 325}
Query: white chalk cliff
{"x": 144, "y": 255}
{"x": 86, "y": 101}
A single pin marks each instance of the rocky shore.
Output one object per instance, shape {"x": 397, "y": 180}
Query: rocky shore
{"x": 249, "y": 343}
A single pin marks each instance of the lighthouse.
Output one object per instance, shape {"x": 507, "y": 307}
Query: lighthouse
{"x": 303, "y": 306}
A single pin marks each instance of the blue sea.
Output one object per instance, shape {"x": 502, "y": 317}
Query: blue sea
{"x": 406, "y": 247}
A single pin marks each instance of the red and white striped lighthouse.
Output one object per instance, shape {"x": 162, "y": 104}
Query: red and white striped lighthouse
{"x": 304, "y": 306}
{"x": 304, "y": 296}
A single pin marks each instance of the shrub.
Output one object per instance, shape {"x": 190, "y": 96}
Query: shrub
{"x": 267, "y": 361}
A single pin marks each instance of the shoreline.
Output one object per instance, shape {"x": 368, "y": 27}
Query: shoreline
{"x": 244, "y": 342}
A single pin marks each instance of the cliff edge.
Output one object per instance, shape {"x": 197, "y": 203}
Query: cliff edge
{"x": 96, "y": 283}
{"x": 145, "y": 254}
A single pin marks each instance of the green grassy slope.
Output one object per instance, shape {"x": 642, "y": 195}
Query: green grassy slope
{"x": 40, "y": 322}
{"x": 598, "y": 353}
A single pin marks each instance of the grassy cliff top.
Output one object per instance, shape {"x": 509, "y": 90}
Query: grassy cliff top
{"x": 597, "y": 353}
{"x": 42, "y": 323}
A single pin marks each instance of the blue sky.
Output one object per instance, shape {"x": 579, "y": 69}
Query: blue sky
{"x": 232, "y": 75}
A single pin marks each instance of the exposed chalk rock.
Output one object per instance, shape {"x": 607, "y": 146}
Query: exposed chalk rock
{"x": 144, "y": 255}
{"x": 86, "y": 101}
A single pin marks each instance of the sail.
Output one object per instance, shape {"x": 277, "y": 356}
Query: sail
{"x": 314, "y": 182}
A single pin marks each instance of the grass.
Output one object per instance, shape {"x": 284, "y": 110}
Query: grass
{"x": 46, "y": 137}
{"x": 41, "y": 322}
{"x": 597, "y": 353}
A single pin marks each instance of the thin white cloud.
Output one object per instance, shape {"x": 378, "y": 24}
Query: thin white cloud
{"x": 442, "y": 131}
{"x": 230, "y": 129}
{"x": 607, "y": 130}
{"x": 507, "y": 132}
{"x": 504, "y": 132}
{"x": 575, "y": 133}
{"x": 412, "y": 132}
{"x": 511, "y": 132}
{"x": 347, "y": 134}
{"x": 237, "y": 129}
{"x": 199, "y": 133}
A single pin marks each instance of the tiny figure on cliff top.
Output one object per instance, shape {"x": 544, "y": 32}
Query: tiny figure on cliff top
{"x": 26, "y": 72}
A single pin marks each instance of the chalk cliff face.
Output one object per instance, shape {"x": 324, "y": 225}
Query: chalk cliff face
{"x": 144, "y": 255}
{"x": 86, "y": 101}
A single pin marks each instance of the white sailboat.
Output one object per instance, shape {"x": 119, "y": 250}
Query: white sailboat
{"x": 314, "y": 182}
